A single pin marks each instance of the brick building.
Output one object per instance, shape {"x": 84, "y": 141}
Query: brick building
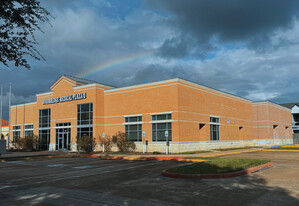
{"x": 195, "y": 117}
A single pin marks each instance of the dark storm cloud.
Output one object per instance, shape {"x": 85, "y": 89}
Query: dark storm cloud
{"x": 182, "y": 46}
{"x": 241, "y": 21}
{"x": 88, "y": 34}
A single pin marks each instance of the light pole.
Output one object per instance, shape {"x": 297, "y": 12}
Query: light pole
{"x": 103, "y": 135}
{"x": 167, "y": 143}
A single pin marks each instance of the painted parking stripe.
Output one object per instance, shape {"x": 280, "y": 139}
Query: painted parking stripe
{"x": 84, "y": 167}
{"x": 56, "y": 165}
{"x": 14, "y": 162}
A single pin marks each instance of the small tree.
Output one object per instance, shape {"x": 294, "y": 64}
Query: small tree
{"x": 107, "y": 142}
{"x": 122, "y": 142}
{"x": 86, "y": 144}
{"x": 30, "y": 142}
{"x": 18, "y": 143}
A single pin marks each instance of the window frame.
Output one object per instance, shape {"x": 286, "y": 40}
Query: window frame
{"x": 158, "y": 120}
{"x": 214, "y": 128}
{"x": 42, "y": 117}
{"x": 85, "y": 125}
{"x": 129, "y": 122}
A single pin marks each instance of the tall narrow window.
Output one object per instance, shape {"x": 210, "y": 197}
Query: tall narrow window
{"x": 133, "y": 128}
{"x": 44, "y": 128}
{"x": 84, "y": 120}
{"x": 16, "y": 130}
{"x": 160, "y": 124}
{"x": 214, "y": 127}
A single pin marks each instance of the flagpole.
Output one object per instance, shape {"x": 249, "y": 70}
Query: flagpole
{"x": 9, "y": 104}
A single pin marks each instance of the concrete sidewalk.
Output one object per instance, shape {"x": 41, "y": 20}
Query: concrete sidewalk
{"x": 36, "y": 154}
{"x": 209, "y": 154}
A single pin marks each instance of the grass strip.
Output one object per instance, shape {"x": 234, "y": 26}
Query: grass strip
{"x": 217, "y": 166}
{"x": 284, "y": 148}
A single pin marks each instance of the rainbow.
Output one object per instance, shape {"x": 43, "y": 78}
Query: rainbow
{"x": 113, "y": 63}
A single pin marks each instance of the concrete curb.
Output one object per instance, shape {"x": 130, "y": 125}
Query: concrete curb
{"x": 217, "y": 176}
{"x": 167, "y": 158}
{"x": 291, "y": 146}
{"x": 279, "y": 150}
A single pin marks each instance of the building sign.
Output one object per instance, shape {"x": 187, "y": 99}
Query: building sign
{"x": 65, "y": 98}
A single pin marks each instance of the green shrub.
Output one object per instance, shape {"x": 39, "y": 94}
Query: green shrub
{"x": 30, "y": 142}
{"x": 157, "y": 153}
{"x": 27, "y": 143}
{"x": 107, "y": 142}
{"x": 86, "y": 144}
{"x": 123, "y": 143}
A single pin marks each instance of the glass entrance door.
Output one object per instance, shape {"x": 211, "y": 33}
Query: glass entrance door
{"x": 63, "y": 139}
{"x": 63, "y": 132}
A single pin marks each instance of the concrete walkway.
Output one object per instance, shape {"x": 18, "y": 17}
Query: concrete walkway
{"x": 36, "y": 154}
{"x": 208, "y": 154}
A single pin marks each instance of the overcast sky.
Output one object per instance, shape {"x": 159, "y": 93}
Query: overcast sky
{"x": 248, "y": 48}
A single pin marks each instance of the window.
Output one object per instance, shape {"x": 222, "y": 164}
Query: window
{"x": 44, "y": 118}
{"x": 44, "y": 128}
{"x": 84, "y": 120}
{"x": 84, "y": 114}
{"x": 65, "y": 124}
{"x": 44, "y": 139}
{"x": 159, "y": 127}
{"x": 29, "y": 126}
{"x": 16, "y": 127}
{"x": 133, "y": 119}
{"x": 133, "y": 128}
{"x": 16, "y": 130}
{"x": 29, "y": 130}
{"x": 214, "y": 119}
{"x": 296, "y": 119}
{"x": 84, "y": 131}
{"x": 161, "y": 117}
{"x": 214, "y": 127}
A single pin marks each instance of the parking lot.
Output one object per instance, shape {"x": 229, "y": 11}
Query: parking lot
{"x": 92, "y": 181}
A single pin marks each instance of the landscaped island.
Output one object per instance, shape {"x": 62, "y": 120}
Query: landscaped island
{"x": 218, "y": 168}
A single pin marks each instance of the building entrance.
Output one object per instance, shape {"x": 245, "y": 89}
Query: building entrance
{"x": 63, "y": 136}
{"x": 63, "y": 141}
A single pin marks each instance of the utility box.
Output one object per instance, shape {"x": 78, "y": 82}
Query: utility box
{"x": 2, "y": 147}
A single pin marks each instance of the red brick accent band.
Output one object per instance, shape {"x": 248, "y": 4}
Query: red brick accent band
{"x": 215, "y": 176}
